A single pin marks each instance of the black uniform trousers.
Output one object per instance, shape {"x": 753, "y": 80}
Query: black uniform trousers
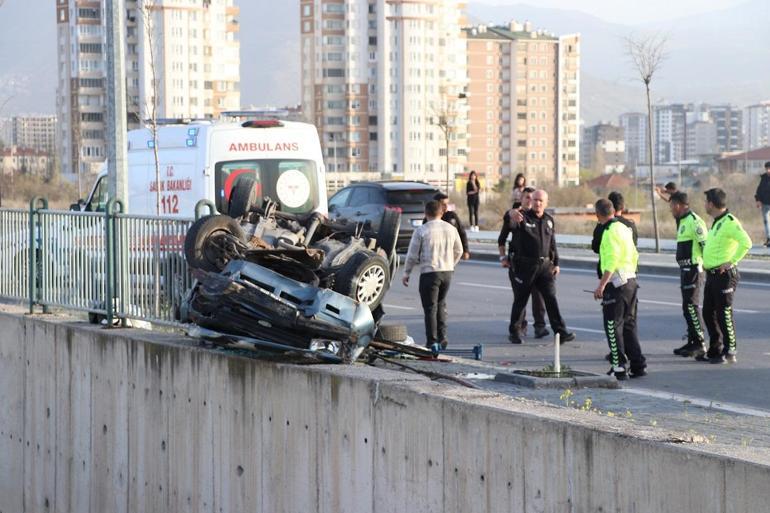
{"x": 434, "y": 288}
{"x": 538, "y": 308}
{"x": 619, "y": 311}
{"x": 718, "y": 310}
{"x": 691, "y": 280}
{"x": 536, "y": 274}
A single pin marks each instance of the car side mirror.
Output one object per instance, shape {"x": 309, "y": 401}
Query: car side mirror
{"x": 332, "y": 208}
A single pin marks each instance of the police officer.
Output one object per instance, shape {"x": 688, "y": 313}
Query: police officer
{"x": 535, "y": 264}
{"x": 691, "y": 235}
{"x": 726, "y": 244}
{"x": 538, "y": 306}
{"x": 617, "y": 289}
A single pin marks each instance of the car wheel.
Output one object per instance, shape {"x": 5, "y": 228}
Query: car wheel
{"x": 365, "y": 277}
{"x": 213, "y": 241}
{"x": 243, "y": 197}
{"x": 387, "y": 235}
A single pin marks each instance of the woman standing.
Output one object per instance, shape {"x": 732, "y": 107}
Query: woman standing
{"x": 472, "y": 189}
{"x": 519, "y": 183}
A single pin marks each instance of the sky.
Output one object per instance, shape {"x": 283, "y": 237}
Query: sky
{"x": 629, "y": 12}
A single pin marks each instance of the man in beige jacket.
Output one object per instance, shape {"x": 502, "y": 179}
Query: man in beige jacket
{"x": 436, "y": 248}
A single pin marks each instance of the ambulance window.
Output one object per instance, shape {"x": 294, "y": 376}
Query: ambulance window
{"x": 99, "y": 198}
{"x": 296, "y": 186}
{"x": 228, "y": 175}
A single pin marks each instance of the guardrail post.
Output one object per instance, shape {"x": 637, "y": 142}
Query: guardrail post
{"x": 35, "y": 204}
{"x": 200, "y": 206}
{"x": 114, "y": 206}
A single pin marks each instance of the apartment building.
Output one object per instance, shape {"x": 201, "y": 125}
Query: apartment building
{"x": 36, "y": 132}
{"x": 190, "y": 47}
{"x": 635, "y": 136}
{"x": 757, "y": 125}
{"x": 523, "y": 104}
{"x": 602, "y": 148}
{"x": 15, "y": 160}
{"x": 670, "y": 125}
{"x": 701, "y": 140}
{"x": 384, "y": 82}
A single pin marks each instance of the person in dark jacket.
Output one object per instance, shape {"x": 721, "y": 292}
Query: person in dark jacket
{"x": 472, "y": 189}
{"x": 763, "y": 201}
{"x": 453, "y": 219}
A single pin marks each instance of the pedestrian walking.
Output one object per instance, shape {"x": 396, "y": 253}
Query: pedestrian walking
{"x": 435, "y": 248}
{"x": 452, "y": 218}
{"x": 691, "y": 233}
{"x": 506, "y": 260}
{"x": 618, "y": 291}
{"x": 762, "y": 197}
{"x": 535, "y": 264}
{"x": 726, "y": 245}
{"x": 472, "y": 189}
{"x": 519, "y": 184}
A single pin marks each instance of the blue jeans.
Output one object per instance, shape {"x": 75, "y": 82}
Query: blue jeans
{"x": 766, "y": 219}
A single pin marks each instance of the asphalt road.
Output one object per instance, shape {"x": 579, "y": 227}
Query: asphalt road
{"x": 479, "y": 308}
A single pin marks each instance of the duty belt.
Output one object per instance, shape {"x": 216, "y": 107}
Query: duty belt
{"x": 715, "y": 270}
{"x": 531, "y": 260}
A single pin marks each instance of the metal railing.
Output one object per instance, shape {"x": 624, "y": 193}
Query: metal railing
{"x": 109, "y": 264}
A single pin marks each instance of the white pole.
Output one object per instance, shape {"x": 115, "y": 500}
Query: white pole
{"x": 556, "y": 354}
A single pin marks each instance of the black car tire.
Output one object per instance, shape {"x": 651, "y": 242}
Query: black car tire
{"x": 387, "y": 235}
{"x": 365, "y": 277}
{"x": 198, "y": 248}
{"x": 243, "y": 197}
{"x": 392, "y": 332}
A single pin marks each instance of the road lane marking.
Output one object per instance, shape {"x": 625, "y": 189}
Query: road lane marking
{"x": 703, "y": 403}
{"x": 395, "y": 307}
{"x": 587, "y": 330}
{"x": 481, "y": 285}
{"x": 669, "y": 303}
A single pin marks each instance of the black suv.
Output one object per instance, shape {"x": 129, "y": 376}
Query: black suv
{"x": 365, "y": 202}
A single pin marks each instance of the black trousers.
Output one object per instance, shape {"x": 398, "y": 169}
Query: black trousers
{"x": 718, "y": 311}
{"x": 473, "y": 210}
{"x": 691, "y": 280}
{"x": 434, "y": 288}
{"x": 526, "y": 277}
{"x": 538, "y": 307}
{"x": 619, "y": 312}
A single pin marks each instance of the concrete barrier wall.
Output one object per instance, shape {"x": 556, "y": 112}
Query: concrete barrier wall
{"x": 125, "y": 421}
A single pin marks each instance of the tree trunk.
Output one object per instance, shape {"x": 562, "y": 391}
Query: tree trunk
{"x": 652, "y": 170}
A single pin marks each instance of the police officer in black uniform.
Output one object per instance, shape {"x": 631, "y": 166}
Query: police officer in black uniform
{"x": 536, "y": 263}
{"x": 506, "y": 260}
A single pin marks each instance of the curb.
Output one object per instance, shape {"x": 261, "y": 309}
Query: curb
{"x": 583, "y": 263}
{"x": 585, "y": 380}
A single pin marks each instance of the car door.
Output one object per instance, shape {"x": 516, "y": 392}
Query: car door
{"x": 357, "y": 205}
{"x": 338, "y": 203}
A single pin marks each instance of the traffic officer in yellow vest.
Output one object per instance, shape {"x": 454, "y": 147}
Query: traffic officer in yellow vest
{"x": 617, "y": 290}
{"x": 691, "y": 235}
{"x": 726, "y": 245}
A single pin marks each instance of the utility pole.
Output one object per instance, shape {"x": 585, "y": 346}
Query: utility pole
{"x": 117, "y": 168}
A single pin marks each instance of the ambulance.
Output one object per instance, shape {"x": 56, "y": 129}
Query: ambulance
{"x": 203, "y": 160}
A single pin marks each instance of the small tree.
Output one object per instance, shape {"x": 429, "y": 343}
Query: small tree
{"x": 443, "y": 118}
{"x": 647, "y": 55}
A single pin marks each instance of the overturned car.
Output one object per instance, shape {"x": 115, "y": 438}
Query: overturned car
{"x": 281, "y": 281}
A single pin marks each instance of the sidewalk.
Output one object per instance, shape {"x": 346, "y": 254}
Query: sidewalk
{"x": 574, "y": 251}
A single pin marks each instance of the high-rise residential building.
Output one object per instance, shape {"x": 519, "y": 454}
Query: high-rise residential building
{"x": 602, "y": 148}
{"x": 190, "y": 47}
{"x": 757, "y": 125}
{"x": 523, "y": 103}
{"x": 701, "y": 140}
{"x": 670, "y": 135}
{"x": 384, "y": 81}
{"x": 635, "y": 137}
{"x": 36, "y": 132}
{"x": 729, "y": 123}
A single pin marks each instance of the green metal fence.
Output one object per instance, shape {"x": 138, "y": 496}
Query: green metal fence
{"x": 109, "y": 264}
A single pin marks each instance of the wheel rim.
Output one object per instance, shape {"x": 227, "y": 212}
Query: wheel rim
{"x": 371, "y": 285}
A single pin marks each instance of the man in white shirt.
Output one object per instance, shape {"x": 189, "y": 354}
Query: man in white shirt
{"x": 436, "y": 248}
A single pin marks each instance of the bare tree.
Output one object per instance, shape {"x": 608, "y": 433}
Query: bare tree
{"x": 149, "y": 118}
{"x": 647, "y": 55}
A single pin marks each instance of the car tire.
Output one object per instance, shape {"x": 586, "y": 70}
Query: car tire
{"x": 199, "y": 249}
{"x": 243, "y": 197}
{"x": 365, "y": 277}
{"x": 387, "y": 235}
{"x": 392, "y": 332}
